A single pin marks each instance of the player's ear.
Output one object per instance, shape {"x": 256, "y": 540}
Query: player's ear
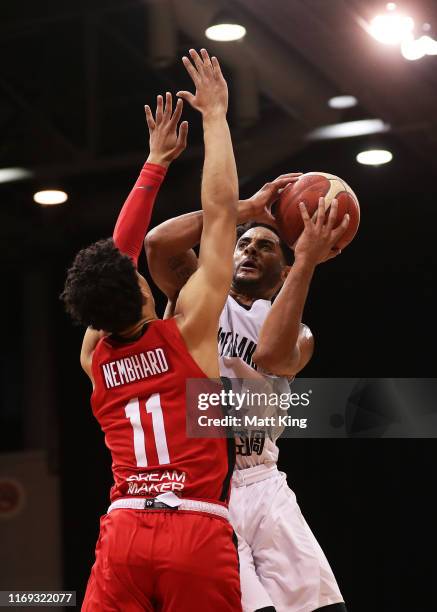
{"x": 147, "y": 296}
{"x": 284, "y": 272}
{"x": 145, "y": 289}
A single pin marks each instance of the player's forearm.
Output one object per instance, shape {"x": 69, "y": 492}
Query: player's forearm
{"x": 220, "y": 181}
{"x": 219, "y": 189}
{"x": 180, "y": 234}
{"x": 170, "y": 258}
{"x": 134, "y": 218}
{"x": 280, "y": 332}
{"x": 177, "y": 235}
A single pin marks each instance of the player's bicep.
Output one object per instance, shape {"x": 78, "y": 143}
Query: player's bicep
{"x": 203, "y": 297}
{"x": 298, "y": 358}
{"x": 200, "y": 303}
{"x": 217, "y": 249}
{"x": 306, "y": 346}
{"x": 304, "y": 350}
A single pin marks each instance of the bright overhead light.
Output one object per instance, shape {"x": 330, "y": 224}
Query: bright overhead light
{"x": 413, "y": 48}
{"x": 392, "y": 28}
{"x": 429, "y": 44}
{"x": 416, "y": 48}
{"x": 349, "y": 129}
{"x": 8, "y": 175}
{"x": 225, "y": 32}
{"x": 374, "y": 157}
{"x": 340, "y": 102}
{"x": 390, "y": 6}
{"x": 50, "y": 197}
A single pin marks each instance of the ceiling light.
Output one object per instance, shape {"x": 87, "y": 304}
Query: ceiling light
{"x": 414, "y": 49}
{"x": 392, "y": 28}
{"x": 390, "y": 6}
{"x": 349, "y": 129}
{"x": 429, "y": 44}
{"x": 49, "y": 197}
{"x": 374, "y": 157}
{"x": 225, "y": 32}
{"x": 8, "y": 175}
{"x": 340, "y": 102}
{"x": 225, "y": 27}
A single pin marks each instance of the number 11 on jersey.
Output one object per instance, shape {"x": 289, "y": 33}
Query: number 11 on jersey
{"x": 133, "y": 413}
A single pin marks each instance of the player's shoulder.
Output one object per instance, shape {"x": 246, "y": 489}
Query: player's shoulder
{"x": 171, "y": 329}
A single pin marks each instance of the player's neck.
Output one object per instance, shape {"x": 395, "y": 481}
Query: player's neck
{"x": 135, "y": 330}
{"x": 246, "y": 299}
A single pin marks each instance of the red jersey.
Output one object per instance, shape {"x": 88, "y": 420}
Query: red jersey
{"x": 139, "y": 400}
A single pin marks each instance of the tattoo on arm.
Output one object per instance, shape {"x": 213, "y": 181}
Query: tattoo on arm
{"x": 179, "y": 268}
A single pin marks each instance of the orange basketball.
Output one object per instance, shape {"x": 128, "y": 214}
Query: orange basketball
{"x": 308, "y": 189}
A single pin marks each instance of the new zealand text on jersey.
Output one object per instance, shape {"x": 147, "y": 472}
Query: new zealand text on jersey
{"x": 234, "y": 345}
{"x": 134, "y": 368}
{"x": 155, "y": 482}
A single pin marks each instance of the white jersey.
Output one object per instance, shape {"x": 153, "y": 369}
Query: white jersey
{"x": 239, "y": 329}
{"x": 281, "y": 564}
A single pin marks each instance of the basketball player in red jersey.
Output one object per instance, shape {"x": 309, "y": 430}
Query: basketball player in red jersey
{"x": 165, "y": 543}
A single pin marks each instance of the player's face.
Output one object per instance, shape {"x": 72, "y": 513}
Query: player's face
{"x": 258, "y": 259}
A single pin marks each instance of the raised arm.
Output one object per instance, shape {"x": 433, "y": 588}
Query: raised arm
{"x": 170, "y": 257}
{"x": 285, "y": 345}
{"x": 166, "y": 144}
{"x": 201, "y": 300}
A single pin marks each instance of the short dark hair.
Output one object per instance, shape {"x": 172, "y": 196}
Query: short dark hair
{"x": 101, "y": 289}
{"x": 286, "y": 250}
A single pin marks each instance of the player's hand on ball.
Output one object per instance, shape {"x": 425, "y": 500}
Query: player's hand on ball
{"x": 165, "y": 140}
{"x": 261, "y": 202}
{"x": 211, "y": 89}
{"x": 318, "y": 241}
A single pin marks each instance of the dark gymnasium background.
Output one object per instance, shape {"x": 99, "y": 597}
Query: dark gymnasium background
{"x": 74, "y": 78}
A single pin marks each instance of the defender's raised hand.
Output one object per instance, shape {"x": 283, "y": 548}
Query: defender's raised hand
{"x": 166, "y": 141}
{"x": 211, "y": 88}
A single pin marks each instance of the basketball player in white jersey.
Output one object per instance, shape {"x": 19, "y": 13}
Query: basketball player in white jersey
{"x": 282, "y": 567}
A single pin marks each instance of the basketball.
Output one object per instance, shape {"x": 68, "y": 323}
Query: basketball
{"x": 308, "y": 189}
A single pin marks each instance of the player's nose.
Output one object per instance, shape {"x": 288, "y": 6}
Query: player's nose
{"x": 250, "y": 249}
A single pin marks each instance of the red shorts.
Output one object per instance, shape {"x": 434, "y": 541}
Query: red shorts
{"x": 172, "y": 561}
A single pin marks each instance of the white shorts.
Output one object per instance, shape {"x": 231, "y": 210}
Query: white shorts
{"x": 281, "y": 563}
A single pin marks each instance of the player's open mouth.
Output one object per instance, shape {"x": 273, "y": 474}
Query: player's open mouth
{"x": 248, "y": 265}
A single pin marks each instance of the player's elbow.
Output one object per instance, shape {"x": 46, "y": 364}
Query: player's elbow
{"x": 152, "y": 242}
{"x": 273, "y": 363}
{"x": 265, "y": 359}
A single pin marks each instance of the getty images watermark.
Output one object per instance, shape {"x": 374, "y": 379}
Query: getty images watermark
{"x": 250, "y": 408}
{"x": 255, "y": 409}
{"x": 236, "y": 406}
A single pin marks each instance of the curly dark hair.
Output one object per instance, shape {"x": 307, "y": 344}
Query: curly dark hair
{"x": 101, "y": 289}
{"x": 286, "y": 250}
